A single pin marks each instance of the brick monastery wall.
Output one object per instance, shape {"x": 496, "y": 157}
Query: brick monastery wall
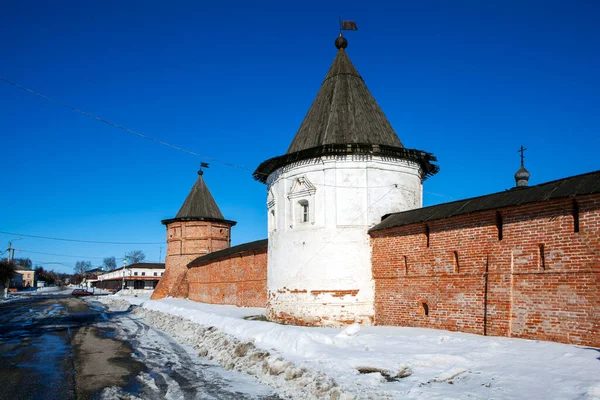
{"x": 186, "y": 241}
{"x": 539, "y": 281}
{"x": 238, "y": 279}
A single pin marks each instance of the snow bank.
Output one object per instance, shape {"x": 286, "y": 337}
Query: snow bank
{"x": 375, "y": 362}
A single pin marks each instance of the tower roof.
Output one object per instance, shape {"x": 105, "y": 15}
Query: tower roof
{"x": 199, "y": 205}
{"x": 344, "y": 112}
{"x": 345, "y": 118}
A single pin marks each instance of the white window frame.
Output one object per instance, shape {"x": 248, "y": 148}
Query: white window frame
{"x": 302, "y": 196}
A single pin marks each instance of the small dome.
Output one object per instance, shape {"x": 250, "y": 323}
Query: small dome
{"x": 522, "y": 176}
{"x": 341, "y": 42}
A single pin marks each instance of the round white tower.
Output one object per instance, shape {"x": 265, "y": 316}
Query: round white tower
{"x": 344, "y": 170}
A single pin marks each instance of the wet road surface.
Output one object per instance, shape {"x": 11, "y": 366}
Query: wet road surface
{"x": 60, "y": 347}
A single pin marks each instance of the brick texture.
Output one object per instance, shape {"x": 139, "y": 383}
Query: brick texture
{"x": 186, "y": 241}
{"x": 239, "y": 279}
{"x": 539, "y": 281}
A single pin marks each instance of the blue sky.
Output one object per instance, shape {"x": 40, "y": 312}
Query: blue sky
{"x": 469, "y": 81}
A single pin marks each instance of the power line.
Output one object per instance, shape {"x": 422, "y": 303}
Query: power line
{"x": 139, "y": 134}
{"x": 50, "y": 263}
{"x": 60, "y": 255}
{"x": 77, "y": 240}
{"x": 107, "y": 122}
{"x": 439, "y": 195}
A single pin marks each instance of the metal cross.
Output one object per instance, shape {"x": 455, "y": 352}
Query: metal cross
{"x": 522, "y": 150}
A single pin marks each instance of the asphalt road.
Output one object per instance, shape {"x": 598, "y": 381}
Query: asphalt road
{"x": 61, "y": 347}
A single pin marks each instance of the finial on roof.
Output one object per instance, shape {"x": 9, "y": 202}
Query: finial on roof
{"x": 522, "y": 175}
{"x": 202, "y": 165}
{"x": 341, "y": 42}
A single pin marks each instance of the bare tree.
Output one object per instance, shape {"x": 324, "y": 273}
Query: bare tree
{"x": 135, "y": 256}
{"x": 110, "y": 263}
{"x": 81, "y": 267}
{"x": 7, "y": 271}
{"x": 23, "y": 263}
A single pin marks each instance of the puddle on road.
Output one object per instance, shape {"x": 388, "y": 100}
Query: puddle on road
{"x": 43, "y": 370}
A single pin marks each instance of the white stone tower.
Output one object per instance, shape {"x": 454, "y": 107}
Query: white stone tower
{"x": 344, "y": 170}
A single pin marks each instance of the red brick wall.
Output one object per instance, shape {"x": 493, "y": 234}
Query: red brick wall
{"x": 541, "y": 281}
{"x": 186, "y": 241}
{"x": 239, "y": 279}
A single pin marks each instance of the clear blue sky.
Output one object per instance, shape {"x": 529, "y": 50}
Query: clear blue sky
{"x": 469, "y": 81}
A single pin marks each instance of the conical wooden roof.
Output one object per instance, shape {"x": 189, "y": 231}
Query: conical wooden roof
{"x": 344, "y": 112}
{"x": 199, "y": 203}
{"x": 345, "y": 119}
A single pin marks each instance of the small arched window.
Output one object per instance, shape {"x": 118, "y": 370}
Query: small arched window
{"x": 272, "y": 221}
{"x": 304, "y": 211}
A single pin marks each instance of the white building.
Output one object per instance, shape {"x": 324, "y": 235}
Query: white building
{"x": 345, "y": 168}
{"x": 140, "y": 276}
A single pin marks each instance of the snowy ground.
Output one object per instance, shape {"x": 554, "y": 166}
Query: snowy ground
{"x": 174, "y": 371}
{"x": 37, "y": 292}
{"x": 413, "y": 363}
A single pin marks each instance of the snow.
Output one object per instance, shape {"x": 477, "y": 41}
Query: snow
{"x": 396, "y": 362}
{"x": 174, "y": 371}
{"x": 33, "y": 292}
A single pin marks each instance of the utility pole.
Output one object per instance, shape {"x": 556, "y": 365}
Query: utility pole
{"x": 124, "y": 264}
{"x": 10, "y": 255}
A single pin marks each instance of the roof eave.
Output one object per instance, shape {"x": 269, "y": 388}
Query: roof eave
{"x": 578, "y": 185}
{"x": 424, "y": 158}
{"x": 207, "y": 219}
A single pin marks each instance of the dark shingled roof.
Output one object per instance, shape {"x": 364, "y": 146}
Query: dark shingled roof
{"x": 568, "y": 187}
{"x": 199, "y": 205}
{"x": 345, "y": 119}
{"x": 257, "y": 245}
{"x": 344, "y": 111}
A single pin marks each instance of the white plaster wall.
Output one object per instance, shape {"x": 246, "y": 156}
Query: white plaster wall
{"x": 311, "y": 264}
{"x": 130, "y": 272}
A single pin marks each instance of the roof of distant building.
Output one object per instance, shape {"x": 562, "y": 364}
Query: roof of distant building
{"x": 140, "y": 265}
{"x": 567, "y": 187}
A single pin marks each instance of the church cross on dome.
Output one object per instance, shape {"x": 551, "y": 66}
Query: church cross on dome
{"x": 522, "y": 151}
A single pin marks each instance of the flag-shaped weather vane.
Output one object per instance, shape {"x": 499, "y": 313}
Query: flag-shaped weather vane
{"x": 202, "y": 165}
{"x": 345, "y": 25}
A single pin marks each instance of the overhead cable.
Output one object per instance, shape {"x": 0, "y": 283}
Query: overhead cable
{"x": 77, "y": 240}
{"x": 139, "y": 134}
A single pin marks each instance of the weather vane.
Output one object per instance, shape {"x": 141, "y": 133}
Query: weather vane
{"x": 202, "y": 165}
{"x": 347, "y": 25}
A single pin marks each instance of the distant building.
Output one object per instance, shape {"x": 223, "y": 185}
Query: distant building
{"x": 91, "y": 276}
{"x": 24, "y": 278}
{"x": 141, "y": 276}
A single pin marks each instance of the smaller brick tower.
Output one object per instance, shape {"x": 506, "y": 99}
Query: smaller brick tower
{"x": 198, "y": 228}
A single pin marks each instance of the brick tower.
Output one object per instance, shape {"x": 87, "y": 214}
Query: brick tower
{"x": 198, "y": 228}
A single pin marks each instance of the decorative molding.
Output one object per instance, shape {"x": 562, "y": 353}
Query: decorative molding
{"x": 270, "y": 199}
{"x": 301, "y": 187}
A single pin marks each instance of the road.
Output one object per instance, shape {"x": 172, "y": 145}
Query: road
{"x": 61, "y": 347}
